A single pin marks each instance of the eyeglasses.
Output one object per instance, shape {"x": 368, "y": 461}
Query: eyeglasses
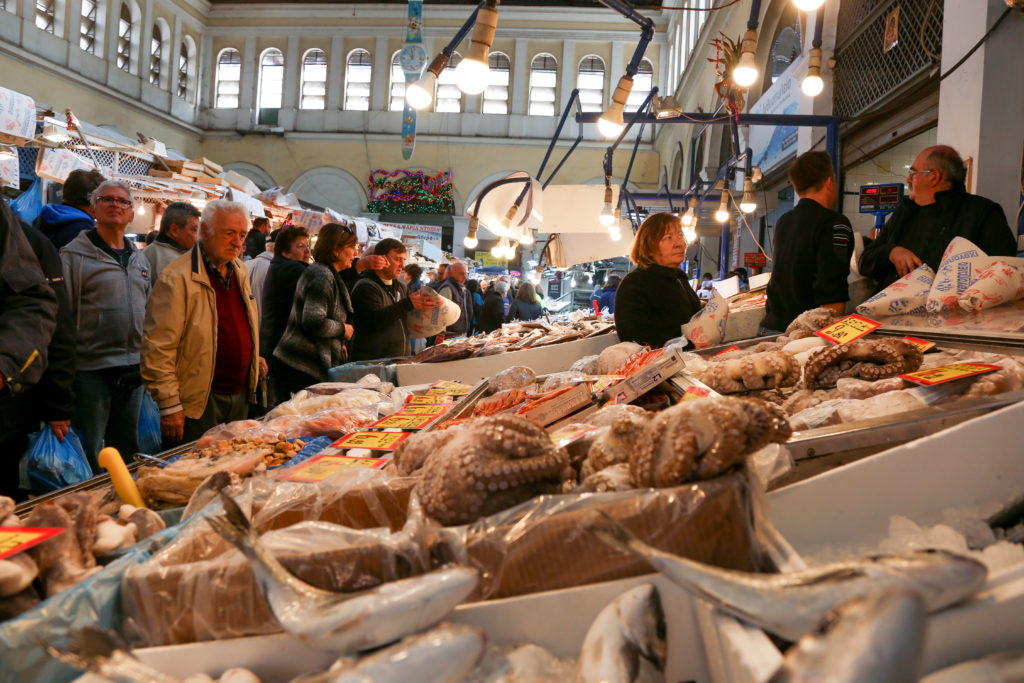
{"x": 120, "y": 201}
{"x": 913, "y": 172}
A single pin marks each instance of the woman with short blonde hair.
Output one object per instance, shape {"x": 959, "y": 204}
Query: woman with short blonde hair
{"x": 655, "y": 300}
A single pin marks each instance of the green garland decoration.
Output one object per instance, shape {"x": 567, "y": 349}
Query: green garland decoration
{"x": 405, "y": 191}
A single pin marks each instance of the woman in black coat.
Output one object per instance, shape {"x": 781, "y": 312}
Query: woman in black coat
{"x": 525, "y": 306}
{"x": 492, "y": 313}
{"x": 655, "y": 300}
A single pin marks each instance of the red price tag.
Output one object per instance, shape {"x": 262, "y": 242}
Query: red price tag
{"x": 731, "y": 348}
{"x": 848, "y": 329}
{"x": 693, "y": 393}
{"x": 324, "y": 467}
{"x": 948, "y": 373}
{"x": 14, "y": 539}
{"x": 400, "y": 421}
{"x": 920, "y": 343}
{"x": 377, "y": 441}
{"x": 427, "y": 399}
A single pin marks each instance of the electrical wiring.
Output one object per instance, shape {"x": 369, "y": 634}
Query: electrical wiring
{"x": 924, "y": 25}
{"x": 743, "y": 217}
{"x": 701, "y": 9}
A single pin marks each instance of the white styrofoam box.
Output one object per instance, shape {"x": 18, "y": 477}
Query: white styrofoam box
{"x": 556, "y": 620}
{"x": 542, "y": 360}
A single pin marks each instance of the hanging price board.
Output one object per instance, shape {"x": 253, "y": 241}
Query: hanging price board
{"x": 948, "y": 373}
{"x": 400, "y": 421}
{"x": 427, "y": 399}
{"x": 323, "y": 467}
{"x": 848, "y": 329}
{"x": 731, "y": 348}
{"x": 375, "y": 441}
{"x": 693, "y": 393}
{"x": 448, "y": 388}
{"x": 14, "y": 539}
{"x": 920, "y": 343}
{"x": 434, "y": 410}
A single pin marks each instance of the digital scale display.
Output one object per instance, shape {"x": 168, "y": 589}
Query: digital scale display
{"x": 880, "y": 198}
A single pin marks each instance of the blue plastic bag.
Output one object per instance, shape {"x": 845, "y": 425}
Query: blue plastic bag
{"x": 150, "y": 439}
{"x": 53, "y": 465}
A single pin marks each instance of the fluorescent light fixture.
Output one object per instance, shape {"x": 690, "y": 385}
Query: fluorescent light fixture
{"x": 812, "y": 84}
{"x": 612, "y": 123}
{"x": 472, "y": 74}
{"x": 808, "y": 5}
{"x": 722, "y": 215}
{"x": 745, "y": 72}
{"x": 747, "y": 203}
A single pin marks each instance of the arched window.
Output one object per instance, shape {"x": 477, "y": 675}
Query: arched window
{"x": 786, "y": 46}
{"x": 358, "y": 76}
{"x": 643, "y": 80}
{"x": 156, "y": 54}
{"x": 396, "y": 87}
{"x": 590, "y": 81}
{"x": 124, "y": 39}
{"x": 271, "y": 84}
{"x": 496, "y": 93}
{"x": 46, "y": 13}
{"x": 543, "y": 81}
{"x": 449, "y": 97}
{"x": 314, "y": 80}
{"x": 186, "y": 60}
{"x": 87, "y": 27}
{"x": 228, "y": 79}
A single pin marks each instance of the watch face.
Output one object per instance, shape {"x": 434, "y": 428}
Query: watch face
{"x": 412, "y": 58}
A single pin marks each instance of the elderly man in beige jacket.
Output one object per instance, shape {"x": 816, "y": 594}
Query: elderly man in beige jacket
{"x": 200, "y": 347}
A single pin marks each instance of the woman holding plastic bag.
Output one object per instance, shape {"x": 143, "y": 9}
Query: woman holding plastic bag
{"x": 318, "y": 327}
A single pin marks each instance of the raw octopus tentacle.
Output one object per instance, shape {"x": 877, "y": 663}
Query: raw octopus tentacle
{"x": 872, "y": 359}
{"x": 766, "y": 370}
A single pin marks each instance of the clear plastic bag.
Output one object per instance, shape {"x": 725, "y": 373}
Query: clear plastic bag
{"x": 54, "y": 465}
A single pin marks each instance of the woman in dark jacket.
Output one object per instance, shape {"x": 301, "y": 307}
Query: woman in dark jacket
{"x": 492, "y": 312}
{"x": 655, "y": 300}
{"x": 314, "y": 340}
{"x": 525, "y": 306}
{"x": 478, "y": 302}
{"x": 607, "y": 297}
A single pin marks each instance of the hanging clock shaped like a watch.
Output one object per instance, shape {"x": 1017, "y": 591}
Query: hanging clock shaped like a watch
{"x": 412, "y": 58}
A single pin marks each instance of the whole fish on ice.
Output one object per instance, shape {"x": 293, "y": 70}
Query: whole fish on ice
{"x": 345, "y": 622}
{"x": 870, "y": 639}
{"x": 1002, "y": 667}
{"x": 102, "y": 652}
{"x": 793, "y": 604}
{"x": 626, "y": 642}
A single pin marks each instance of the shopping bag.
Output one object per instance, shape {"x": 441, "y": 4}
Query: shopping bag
{"x": 53, "y": 465}
{"x": 150, "y": 440}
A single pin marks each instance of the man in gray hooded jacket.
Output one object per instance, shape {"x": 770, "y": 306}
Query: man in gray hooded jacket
{"x": 108, "y": 281}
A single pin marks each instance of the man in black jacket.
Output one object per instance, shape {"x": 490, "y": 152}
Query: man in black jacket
{"x": 453, "y": 288}
{"x": 256, "y": 240}
{"x": 813, "y": 245}
{"x": 381, "y": 301}
{"x": 937, "y": 209}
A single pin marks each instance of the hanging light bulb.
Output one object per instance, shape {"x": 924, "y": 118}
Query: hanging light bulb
{"x": 607, "y": 216}
{"x": 745, "y": 72}
{"x": 470, "y": 240}
{"x": 498, "y": 250}
{"x": 473, "y": 73}
{"x": 612, "y": 121}
{"x": 615, "y": 235}
{"x": 808, "y": 5}
{"x": 747, "y": 203}
{"x": 722, "y": 215}
{"x": 689, "y": 234}
{"x": 812, "y": 85}
{"x": 420, "y": 94}
{"x": 506, "y": 222}
{"x": 527, "y": 237}
{"x": 690, "y": 217}
{"x": 142, "y": 209}
{"x": 510, "y": 250}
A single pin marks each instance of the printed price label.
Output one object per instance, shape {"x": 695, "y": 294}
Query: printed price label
{"x": 948, "y": 373}
{"x": 448, "y": 388}
{"x": 400, "y": 421}
{"x": 567, "y": 436}
{"x": 435, "y": 410}
{"x": 693, "y": 393}
{"x": 427, "y": 399}
{"x": 376, "y": 441}
{"x": 323, "y": 467}
{"x": 920, "y": 343}
{"x": 14, "y": 539}
{"x": 731, "y": 348}
{"x": 848, "y": 329}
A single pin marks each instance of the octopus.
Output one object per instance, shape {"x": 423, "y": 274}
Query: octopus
{"x": 614, "y": 478}
{"x": 489, "y": 465}
{"x": 871, "y": 360}
{"x": 807, "y": 323}
{"x": 850, "y": 387}
{"x": 697, "y": 440}
{"x": 802, "y": 399}
{"x": 62, "y": 560}
{"x": 615, "y": 443}
{"x": 767, "y": 370}
{"x": 1009, "y": 378}
{"x": 410, "y": 455}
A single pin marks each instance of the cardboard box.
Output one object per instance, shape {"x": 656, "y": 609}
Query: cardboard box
{"x": 645, "y": 379}
{"x": 157, "y": 173}
{"x": 559, "y": 406}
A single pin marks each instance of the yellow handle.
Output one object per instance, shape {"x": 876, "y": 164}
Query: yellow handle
{"x": 110, "y": 460}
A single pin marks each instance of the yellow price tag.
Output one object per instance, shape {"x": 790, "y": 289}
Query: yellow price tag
{"x": 605, "y": 382}
{"x": 948, "y": 373}
{"x": 427, "y": 399}
{"x": 14, "y": 539}
{"x": 693, "y": 393}
{"x": 848, "y": 329}
{"x": 400, "y": 421}
{"x": 324, "y": 467}
{"x": 920, "y": 343}
{"x": 377, "y": 441}
{"x": 423, "y": 410}
{"x": 448, "y": 388}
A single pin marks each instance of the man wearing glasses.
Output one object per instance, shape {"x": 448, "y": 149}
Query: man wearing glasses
{"x": 937, "y": 209}
{"x": 108, "y": 281}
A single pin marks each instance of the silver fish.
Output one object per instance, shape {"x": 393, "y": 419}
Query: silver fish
{"x": 793, "y": 604}
{"x": 102, "y": 652}
{"x": 626, "y": 642}
{"x": 871, "y": 639}
{"x": 345, "y": 622}
{"x": 1001, "y": 667}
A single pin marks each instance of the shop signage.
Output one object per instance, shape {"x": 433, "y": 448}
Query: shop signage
{"x": 754, "y": 259}
{"x": 771, "y": 145}
{"x": 323, "y": 467}
{"x": 848, "y": 329}
{"x": 430, "y": 233}
{"x": 948, "y": 373}
{"x": 14, "y": 539}
{"x": 17, "y": 116}
{"x": 485, "y": 260}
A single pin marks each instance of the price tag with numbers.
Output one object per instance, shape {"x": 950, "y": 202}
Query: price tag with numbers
{"x": 948, "y": 373}
{"x": 375, "y": 441}
{"x": 323, "y": 467}
{"x": 448, "y": 388}
{"x": 693, "y": 393}
{"x": 731, "y": 348}
{"x": 435, "y": 410}
{"x": 920, "y": 343}
{"x": 400, "y": 421}
{"x": 848, "y": 329}
{"x": 427, "y": 399}
{"x": 14, "y": 539}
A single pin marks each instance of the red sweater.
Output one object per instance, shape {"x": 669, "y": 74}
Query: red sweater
{"x": 234, "y": 337}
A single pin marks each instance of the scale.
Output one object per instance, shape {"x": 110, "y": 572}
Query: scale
{"x": 880, "y": 200}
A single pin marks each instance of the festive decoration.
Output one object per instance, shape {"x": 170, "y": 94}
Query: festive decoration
{"x": 727, "y": 55}
{"x": 405, "y": 191}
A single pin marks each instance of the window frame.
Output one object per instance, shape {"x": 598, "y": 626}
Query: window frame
{"x": 585, "y": 93}
{"x": 305, "y": 80}
{"x": 532, "y": 102}
{"x": 350, "y": 94}
{"x": 262, "y": 80}
{"x": 492, "y": 93}
{"x": 219, "y": 80}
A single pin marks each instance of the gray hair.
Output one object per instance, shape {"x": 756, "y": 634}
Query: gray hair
{"x": 177, "y": 213}
{"x": 215, "y": 207}
{"x": 106, "y": 184}
{"x": 501, "y": 287}
{"x": 947, "y": 161}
